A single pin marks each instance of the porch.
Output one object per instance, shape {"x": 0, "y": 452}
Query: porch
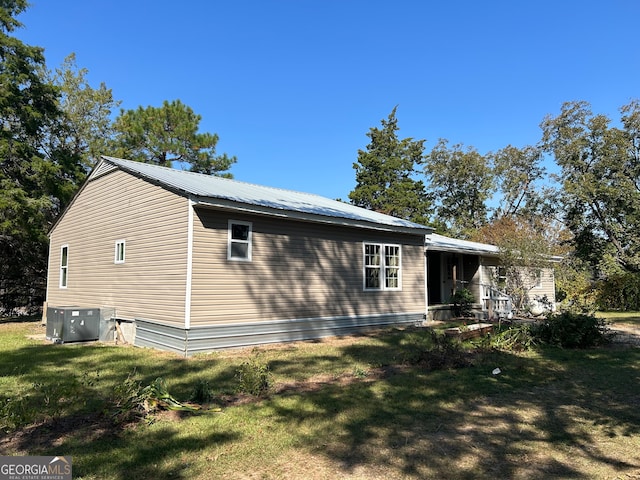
{"x": 450, "y": 271}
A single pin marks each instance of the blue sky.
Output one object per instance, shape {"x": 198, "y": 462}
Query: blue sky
{"x": 293, "y": 86}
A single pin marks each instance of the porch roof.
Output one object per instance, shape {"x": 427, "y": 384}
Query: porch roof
{"x": 440, "y": 243}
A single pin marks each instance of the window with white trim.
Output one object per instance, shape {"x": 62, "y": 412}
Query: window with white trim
{"x": 239, "y": 247}
{"x": 382, "y": 266}
{"x": 64, "y": 265}
{"x": 119, "y": 251}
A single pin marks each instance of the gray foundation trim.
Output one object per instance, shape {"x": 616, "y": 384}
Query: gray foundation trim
{"x": 201, "y": 339}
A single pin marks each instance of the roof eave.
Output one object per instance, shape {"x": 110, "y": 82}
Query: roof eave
{"x": 470, "y": 251}
{"x": 229, "y": 205}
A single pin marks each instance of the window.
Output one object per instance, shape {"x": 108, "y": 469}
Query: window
{"x": 502, "y": 277}
{"x": 372, "y": 264}
{"x": 239, "y": 247}
{"x": 64, "y": 265}
{"x": 538, "y": 278}
{"x": 392, "y": 266}
{"x": 382, "y": 267}
{"x": 119, "y": 251}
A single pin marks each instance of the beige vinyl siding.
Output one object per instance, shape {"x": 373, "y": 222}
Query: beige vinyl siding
{"x": 547, "y": 281}
{"x": 547, "y": 285}
{"x": 298, "y": 270}
{"x": 153, "y": 222}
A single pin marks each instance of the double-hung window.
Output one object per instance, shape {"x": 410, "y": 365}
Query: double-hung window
{"x": 239, "y": 247}
{"x": 382, "y": 267}
{"x": 64, "y": 265}
{"x": 119, "y": 251}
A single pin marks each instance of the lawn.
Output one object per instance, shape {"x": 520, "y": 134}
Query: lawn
{"x": 629, "y": 318}
{"x": 356, "y": 408}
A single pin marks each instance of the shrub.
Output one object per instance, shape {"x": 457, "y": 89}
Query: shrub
{"x": 571, "y": 330}
{"x": 444, "y": 353}
{"x": 254, "y": 377}
{"x": 619, "y": 292}
{"x": 462, "y": 302}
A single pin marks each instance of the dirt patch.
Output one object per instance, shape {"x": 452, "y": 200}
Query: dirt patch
{"x": 54, "y": 432}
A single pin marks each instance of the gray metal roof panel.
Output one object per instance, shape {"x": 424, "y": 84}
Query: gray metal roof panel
{"x": 212, "y": 187}
{"x": 442, "y": 243}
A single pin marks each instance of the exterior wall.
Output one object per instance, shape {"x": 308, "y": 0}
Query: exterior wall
{"x": 304, "y": 281}
{"x": 298, "y": 271}
{"x": 546, "y": 286}
{"x": 152, "y": 221}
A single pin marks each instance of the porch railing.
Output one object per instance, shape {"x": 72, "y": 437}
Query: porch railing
{"x": 496, "y": 302}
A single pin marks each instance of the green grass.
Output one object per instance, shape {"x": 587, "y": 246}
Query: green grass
{"x": 551, "y": 413}
{"x": 632, "y": 318}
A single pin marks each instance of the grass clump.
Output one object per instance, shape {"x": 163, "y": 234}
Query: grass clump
{"x": 254, "y": 377}
{"x": 202, "y": 392}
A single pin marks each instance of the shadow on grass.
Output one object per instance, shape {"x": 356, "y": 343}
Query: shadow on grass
{"x": 543, "y": 416}
{"x": 99, "y": 451}
{"x": 53, "y": 363}
{"x": 553, "y": 414}
{"x": 73, "y": 385}
{"x": 21, "y": 319}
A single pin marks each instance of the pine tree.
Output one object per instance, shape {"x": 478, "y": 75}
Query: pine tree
{"x": 385, "y": 175}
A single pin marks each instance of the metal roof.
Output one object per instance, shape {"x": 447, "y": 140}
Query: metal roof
{"x": 447, "y": 244}
{"x": 441, "y": 243}
{"x": 208, "y": 190}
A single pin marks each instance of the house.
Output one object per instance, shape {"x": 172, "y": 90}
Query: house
{"x": 192, "y": 263}
{"x": 453, "y": 264}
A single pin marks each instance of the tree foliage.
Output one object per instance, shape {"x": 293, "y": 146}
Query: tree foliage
{"x": 385, "y": 174}
{"x": 524, "y": 250}
{"x": 600, "y": 174}
{"x": 168, "y": 136}
{"x": 462, "y": 181}
{"x": 519, "y": 175}
{"x": 37, "y": 174}
{"x": 87, "y": 110}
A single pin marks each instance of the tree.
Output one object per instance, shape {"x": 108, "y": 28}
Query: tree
{"x": 524, "y": 250}
{"x": 385, "y": 174}
{"x": 35, "y": 182}
{"x": 600, "y": 175}
{"x": 518, "y": 173}
{"x": 87, "y": 110}
{"x": 462, "y": 182}
{"x": 168, "y": 136}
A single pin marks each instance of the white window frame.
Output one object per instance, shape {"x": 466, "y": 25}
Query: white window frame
{"x": 383, "y": 266}
{"x": 64, "y": 266}
{"x": 120, "y": 251}
{"x": 236, "y": 241}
